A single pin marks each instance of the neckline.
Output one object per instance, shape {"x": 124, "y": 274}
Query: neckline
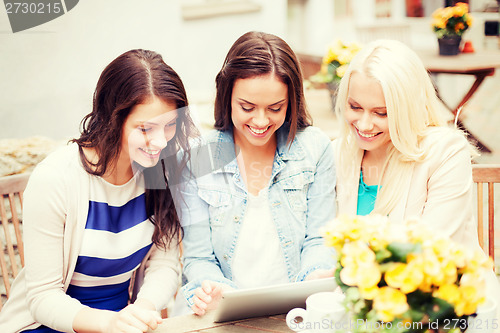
{"x": 262, "y": 194}
{"x": 133, "y": 179}
{"x": 363, "y": 184}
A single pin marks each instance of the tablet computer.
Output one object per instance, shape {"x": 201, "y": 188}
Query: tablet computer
{"x": 269, "y": 300}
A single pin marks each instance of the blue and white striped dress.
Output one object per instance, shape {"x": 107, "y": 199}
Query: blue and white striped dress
{"x": 116, "y": 239}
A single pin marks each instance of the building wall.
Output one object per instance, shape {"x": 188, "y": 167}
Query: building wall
{"x": 48, "y": 73}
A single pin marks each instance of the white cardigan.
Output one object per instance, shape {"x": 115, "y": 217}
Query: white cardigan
{"x": 56, "y": 202}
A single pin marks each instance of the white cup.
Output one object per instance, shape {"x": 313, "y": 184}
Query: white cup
{"x": 486, "y": 320}
{"x": 324, "y": 313}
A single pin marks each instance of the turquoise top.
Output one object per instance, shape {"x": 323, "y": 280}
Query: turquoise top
{"x": 366, "y": 196}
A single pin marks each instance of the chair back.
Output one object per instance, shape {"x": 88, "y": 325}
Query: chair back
{"x": 486, "y": 174}
{"x": 11, "y": 242}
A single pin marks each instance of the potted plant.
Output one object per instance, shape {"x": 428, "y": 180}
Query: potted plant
{"x": 334, "y": 64}
{"x": 449, "y": 23}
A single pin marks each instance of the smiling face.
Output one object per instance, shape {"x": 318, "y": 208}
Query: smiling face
{"x": 258, "y": 109}
{"x": 366, "y": 114}
{"x": 146, "y": 131}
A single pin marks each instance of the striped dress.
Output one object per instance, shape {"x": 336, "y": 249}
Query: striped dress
{"x": 116, "y": 239}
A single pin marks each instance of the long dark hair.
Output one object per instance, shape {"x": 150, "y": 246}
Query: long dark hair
{"x": 255, "y": 54}
{"x": 131, "y": 79}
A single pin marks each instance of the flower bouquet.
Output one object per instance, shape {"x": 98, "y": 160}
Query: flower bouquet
{"x": 403, "y": 277}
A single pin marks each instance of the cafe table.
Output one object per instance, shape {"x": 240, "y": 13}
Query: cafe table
{"x": 194, "y": 323}
{"x": 479, "y": 64}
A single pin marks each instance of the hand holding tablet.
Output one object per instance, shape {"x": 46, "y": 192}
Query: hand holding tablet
{"x": 270, "y": 300}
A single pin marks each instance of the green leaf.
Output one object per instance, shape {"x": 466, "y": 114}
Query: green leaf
{"x": 440, "y": 310}
{"x": 400, "y": 250}
{"x": 341, "y": 284}
{"x": 382, "y": 254}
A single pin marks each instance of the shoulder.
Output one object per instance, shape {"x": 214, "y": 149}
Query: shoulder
{"x": 446, "y": 148}
{"x": 313, "y": 143}
{"x": 56, "y": 177}
{"x": 59, "y": 166}
{"x": 313, "y": 132}
{"x": 215, "y": 136}
{"x": 61, "y": 160}
{"x": 311, "y": 137}
{"x": 441, "y": 141}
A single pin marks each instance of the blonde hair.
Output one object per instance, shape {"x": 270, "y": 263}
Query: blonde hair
{"x": 413, "y": 108}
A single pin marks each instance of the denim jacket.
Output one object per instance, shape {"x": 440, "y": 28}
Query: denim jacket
{"x": 301, "y": 195}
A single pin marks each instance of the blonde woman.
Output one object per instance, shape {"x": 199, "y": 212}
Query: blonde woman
{"x": 396, "y": 156}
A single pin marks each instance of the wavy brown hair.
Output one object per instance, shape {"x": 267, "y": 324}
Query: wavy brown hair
{"x": 255, "y": 54}
{"x": 131, "y": 79}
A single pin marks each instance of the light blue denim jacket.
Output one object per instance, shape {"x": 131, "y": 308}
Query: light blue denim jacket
{"x": 301, "y": 195}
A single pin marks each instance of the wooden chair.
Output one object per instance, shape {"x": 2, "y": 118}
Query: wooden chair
{"x": 11, "y": 242}
{"x": 486, "y": 174}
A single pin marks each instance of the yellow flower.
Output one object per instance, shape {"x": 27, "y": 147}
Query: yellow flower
{"x": 470, "y": 298}
{"x": 440, "y": 23}
{"x": 345, "y": 56}
{"x": 472, "y": 293}
{"x": 457, "y": 11}
{"x": 405, "y": 277}
{"x": 459, "y": 26}
{"x": 449, "y": 271}
{"x": 426, "y": 285}
{"x": 461, "y": 9}
{"x": 369, "y": 275}
{"x": 440, "y": 245}
{"x": 349, "y": 275}
{"x": 458, "y": 256}
{"x": 433, "y": 269}
{"x": 333, "y": 52}
{"x": 369, "y": 293}
{"x": 333, "y": 238}
{"x": 448, "y": 292}
{"x": 469, "y": 20}
{"x": 479, "y": 261}
{"x": 389, "y": 303}
{"x": 360, "y": 268}
{"x": 447, "y": 13}
{"x": 341, "y": 70}
{"x": 475, "y": 279}
{"x": 354, "y": 229}
{"x": 354, "y": 252}
{"x": 437, "y": 13}
{"x": 395, "y": 275}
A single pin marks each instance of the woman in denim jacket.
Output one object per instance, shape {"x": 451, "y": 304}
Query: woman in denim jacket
{"x": 261, "y": 184}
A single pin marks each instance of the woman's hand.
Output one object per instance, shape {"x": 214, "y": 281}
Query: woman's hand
{"x": 134, "y": 318}
{"x": 207, "y": 296}
{"x": 320, "y": 274}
